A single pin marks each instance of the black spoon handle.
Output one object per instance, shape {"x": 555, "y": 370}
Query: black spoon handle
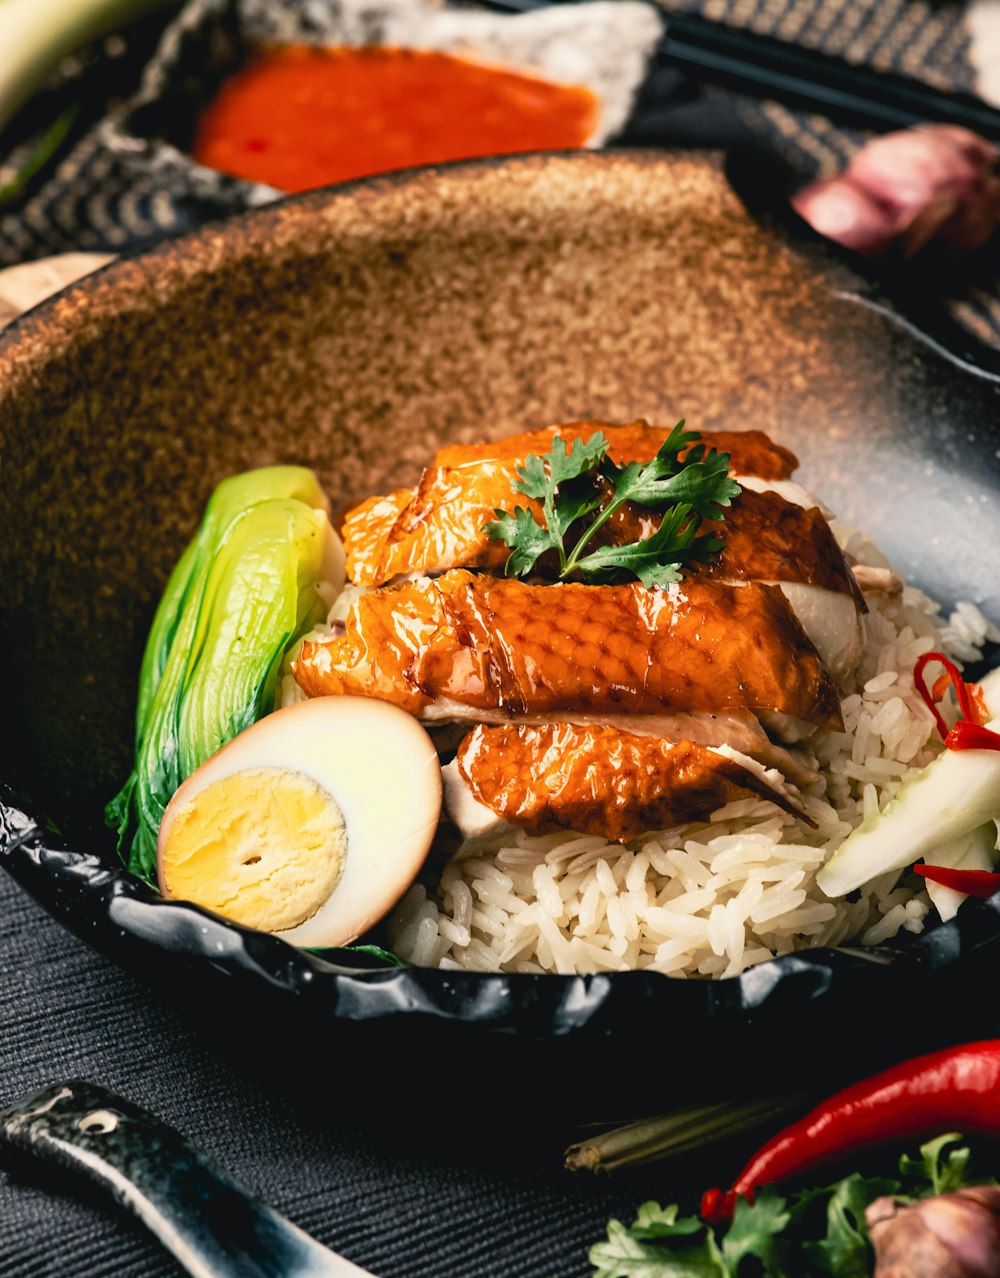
{"x": 214, "y": 1227}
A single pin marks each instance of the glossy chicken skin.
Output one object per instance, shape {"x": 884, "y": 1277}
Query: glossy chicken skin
{"x": 751, "y": 451}
{"x": 497, "y": 643}
{"x": 441, "y": 524}
{"x": 764, "y": 538}
{"x": 600, "y": 780}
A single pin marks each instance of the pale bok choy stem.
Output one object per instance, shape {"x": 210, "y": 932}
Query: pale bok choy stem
{"x": 36, "y": 34}
{"x": 666, "y": 1135}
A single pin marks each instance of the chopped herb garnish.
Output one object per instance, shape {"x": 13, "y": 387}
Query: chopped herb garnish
{"x": 566, "y": 483}
{"x": 821, "y": 1232}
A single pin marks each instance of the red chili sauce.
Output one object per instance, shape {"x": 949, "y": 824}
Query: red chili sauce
{"x": 299, "y": 117}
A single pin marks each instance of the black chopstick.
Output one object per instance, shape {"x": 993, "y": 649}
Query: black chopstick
{"x": 763, "y": 67}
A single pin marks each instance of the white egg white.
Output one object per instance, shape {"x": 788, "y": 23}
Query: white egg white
{"x": 380, "y": 768}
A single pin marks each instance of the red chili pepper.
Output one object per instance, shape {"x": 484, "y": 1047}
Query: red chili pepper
{"x": 981, "y": 883}
{"x": 972, "y": 736}
{"x": 968, "y": 695}
{"x": 957, "y": 1089}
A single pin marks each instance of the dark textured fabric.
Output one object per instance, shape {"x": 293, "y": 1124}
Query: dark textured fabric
{"x": 91, "y": 201}
{"x": 413, "y": 1188}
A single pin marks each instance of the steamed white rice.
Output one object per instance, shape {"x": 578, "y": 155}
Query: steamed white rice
{"x": 710, "y": 899}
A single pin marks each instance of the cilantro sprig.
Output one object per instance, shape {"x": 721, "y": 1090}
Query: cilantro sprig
{"x": 819, "y": 1232}
{"x": 566, "y": 483}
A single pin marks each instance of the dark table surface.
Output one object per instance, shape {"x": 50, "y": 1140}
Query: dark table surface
{"x": 443, "y": 1178}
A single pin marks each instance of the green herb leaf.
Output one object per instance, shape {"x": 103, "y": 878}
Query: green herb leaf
{"x": 563, "y": 482}
{"x": 526, "y": 537}
{"x": 944, "y": 1174}
{"x": 44, "y": 150}
{"x": 376, "y": 952}
{"x": 635, "y": 1253}
{"x": 654, "y": 561}
{"x": 756, "y": 1227}
{"x": 845, "y": 1252}
{"x": 654, "y": 1221}
{"x": 704, "y": 485}
{"x": 539, "y": 475}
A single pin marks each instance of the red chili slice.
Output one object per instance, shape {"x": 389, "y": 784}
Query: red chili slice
{"x": 968, "y": 695}
{"x": 972, "y": 736}
{"x": 981, "y": 883}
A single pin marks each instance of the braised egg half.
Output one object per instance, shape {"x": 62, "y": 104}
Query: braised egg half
{"x": 311, "y": 824}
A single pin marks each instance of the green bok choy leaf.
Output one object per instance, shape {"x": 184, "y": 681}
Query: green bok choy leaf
{"x": 244, "y": 591}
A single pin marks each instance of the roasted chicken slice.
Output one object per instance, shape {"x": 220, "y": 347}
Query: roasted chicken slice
{"x": 751, "y": 451}
{"x": 765, "y": 538}
{"x": 491, "y": 643}
{"x": 769, "y": 539}
{"x": 441, "y": 525}
{"x": 593, "y": 779}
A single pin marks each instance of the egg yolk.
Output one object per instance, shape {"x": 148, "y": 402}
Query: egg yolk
{"x": 265, "y": 848}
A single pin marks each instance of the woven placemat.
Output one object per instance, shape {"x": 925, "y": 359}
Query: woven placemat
{"x": 91, "y": 200}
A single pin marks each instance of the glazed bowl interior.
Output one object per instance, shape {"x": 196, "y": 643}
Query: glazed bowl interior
{"x": 356, "y": 330}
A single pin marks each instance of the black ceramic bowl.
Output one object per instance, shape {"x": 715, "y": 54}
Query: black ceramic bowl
{"x": 356, "y": 329}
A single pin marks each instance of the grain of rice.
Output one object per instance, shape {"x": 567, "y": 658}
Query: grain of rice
{"x": 772, "y": 907}
{"x": 455, "y": 933}
{"x": 424, "y": 942}
{"x": 633, "y": 906}
{"x": 672, "y": 949}
{"x": 693, "y": 871}
{"x": 887, "y": 926}
{"x": 879, "y": 683}
{"x": 481, "y": 957}
{"x": 605, "y": 877}
{"x": 618, "y": 919}
{"x": 686, "y": 902}
{"x": 588, "y": 911}
{"x": 569, "y": 887}
{"x": 659, "y": 858}
{"x": 486, "y": 870}
{"x": 618, "y": 945}
{"x": 735, "y": 933}
{"x": 577, "y": 847}
{"x": 483, "y": 922}
{"x": 635, "y": 876}
{"x": 547, "y": 892}
{"x": 630, "y": 958}
{"x": 490, "y": 892}
{"x": 515, "y": 859}
{"x": 693, "y": 926}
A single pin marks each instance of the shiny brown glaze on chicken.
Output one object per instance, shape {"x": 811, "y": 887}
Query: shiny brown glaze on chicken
{"x": 764, "y": 538}
{"x": 600, "y": 780}
{"x": 751, "y": 451}
{"x": 441, "y": 525}
{"x": 494, "y": 643}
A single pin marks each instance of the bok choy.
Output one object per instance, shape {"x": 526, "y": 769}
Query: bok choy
{"x": 258, "y": 575}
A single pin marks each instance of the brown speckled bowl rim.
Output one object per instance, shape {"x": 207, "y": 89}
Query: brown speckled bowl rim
{"x": 904, "y": 298}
